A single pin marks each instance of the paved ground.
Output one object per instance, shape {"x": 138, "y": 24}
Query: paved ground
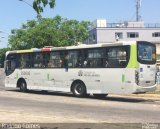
{"x": 58, "y": 107}
{"x": 53, "y": 107}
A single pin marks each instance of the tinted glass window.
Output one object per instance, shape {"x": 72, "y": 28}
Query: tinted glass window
{"x": 146, "y": 53}
{"x": 11, "y": 63}
{"x": 24, "y": 60}
{"x": 156, "y": 34}
{"x": 132, "y": 35}
{"x": 74, "y": 59}
{"x": 94, "y": 58}
{"x": 56, "y": 60}
{"x": 117, "y": 57}
{"x": 41, "y": 60}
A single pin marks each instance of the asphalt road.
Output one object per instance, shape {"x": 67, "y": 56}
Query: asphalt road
{"x": 59, "y": 107}
{"x": 53, "y": 107}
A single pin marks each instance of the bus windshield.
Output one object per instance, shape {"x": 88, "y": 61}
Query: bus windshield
{"x": 146, "y": 53}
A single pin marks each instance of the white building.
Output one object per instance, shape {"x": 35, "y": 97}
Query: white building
{"x": 103, "y": 32}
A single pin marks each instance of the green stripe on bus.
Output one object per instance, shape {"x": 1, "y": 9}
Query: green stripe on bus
{"x": 123, "y": 78}
{"x": 133, "y": 63}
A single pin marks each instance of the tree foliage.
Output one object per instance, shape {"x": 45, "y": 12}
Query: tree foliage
{"x": 2, "y": 55}
{"x": 55, "y": 31}
{"x": 39, "y": 5}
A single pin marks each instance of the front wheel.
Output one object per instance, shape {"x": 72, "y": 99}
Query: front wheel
{"x": 23, "y": 86}
{"x": 100, "y": 95}
{"x": 79, "y": 89}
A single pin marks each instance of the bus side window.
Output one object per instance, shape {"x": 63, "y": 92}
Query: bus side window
{"x": 45, "y": 59}
{"x": 85, "y": 63}
{"x": 24, "y": 60}
{"x": 8, "y": 65}
{"x": 79, "y": 62}
{"x": 117, "y": 57}
{"x": 94, "y": 58}
{"x": 56, "y": 60}
{"x": 65, "y": 60}
{"x": 74, "y": 59}
{"x": 11, "y": 63}
{"x": 85, "y": 59}
{"x": 37, "y": 60}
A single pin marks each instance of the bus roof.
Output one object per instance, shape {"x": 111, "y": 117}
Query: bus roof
{"x": 119, "y": 43}
{"x": 80, "y": 46}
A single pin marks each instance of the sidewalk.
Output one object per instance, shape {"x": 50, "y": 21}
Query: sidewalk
{"x": 148, "y": 96}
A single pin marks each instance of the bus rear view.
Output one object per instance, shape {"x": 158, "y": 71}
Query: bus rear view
{"x": 146, "y": 73}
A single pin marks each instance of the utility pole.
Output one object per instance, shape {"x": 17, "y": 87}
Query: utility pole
{"x": 138, "y": 6}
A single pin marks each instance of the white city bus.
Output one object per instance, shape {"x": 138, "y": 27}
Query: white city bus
{"x": 100, "y": 69}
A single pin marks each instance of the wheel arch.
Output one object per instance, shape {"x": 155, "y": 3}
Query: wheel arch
{"x": 75, "y": 81}
{"x": 19, "y": 81}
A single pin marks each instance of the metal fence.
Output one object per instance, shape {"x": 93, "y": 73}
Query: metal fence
{"x": 133, "y": 25}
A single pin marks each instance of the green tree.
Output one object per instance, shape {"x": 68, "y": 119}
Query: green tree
{"x": 39, "y": 5}
{"x": 55, "y": 31}
{"x": 2, "y": 55}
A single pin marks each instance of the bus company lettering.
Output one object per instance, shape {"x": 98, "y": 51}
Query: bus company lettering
{"x": 88, "y": 74}
{"x": 25, "y": 73}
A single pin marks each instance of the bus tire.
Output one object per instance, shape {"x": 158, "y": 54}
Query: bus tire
{"x": 23, "y": 86}
{"x": 100, "y": 95}
{"x": 79, "y": 89}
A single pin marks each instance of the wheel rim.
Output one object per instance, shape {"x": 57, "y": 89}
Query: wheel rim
{"x": 23, "y": 86}
{"x": 78, "y": 89}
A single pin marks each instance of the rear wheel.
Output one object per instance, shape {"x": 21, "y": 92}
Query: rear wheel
{"x": 79, "y": 89}
{"x": 23, "y": 86}
{"x": 100, "y": 95}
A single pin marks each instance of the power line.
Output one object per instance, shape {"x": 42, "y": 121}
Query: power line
{"x": 26, "y": 3}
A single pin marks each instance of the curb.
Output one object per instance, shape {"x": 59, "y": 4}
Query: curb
{"x": 138, "y": 96}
